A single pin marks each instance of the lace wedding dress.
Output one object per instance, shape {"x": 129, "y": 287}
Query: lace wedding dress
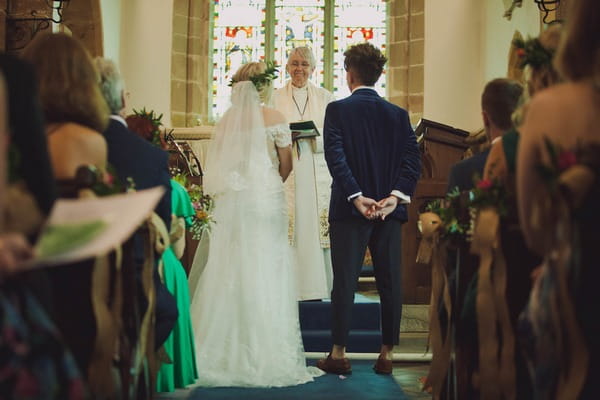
{"x": 244, "y": 309}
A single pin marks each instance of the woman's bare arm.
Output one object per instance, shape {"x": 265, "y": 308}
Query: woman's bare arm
{"x": 285, "y": 161}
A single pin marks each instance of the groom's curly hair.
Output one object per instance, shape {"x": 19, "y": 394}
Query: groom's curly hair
{"x": 366, "y": 61}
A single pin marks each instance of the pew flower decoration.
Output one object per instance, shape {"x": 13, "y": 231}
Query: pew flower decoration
{"x": 203, "y": 205}
{"x": 453, "y": 212}
{"x": 531, "y": 52}
{"x": 560, "y": 161}
{"x": 489, "y": 193}
{"x": 103, "y": 182}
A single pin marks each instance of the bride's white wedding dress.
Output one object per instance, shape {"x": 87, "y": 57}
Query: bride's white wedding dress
{"x": 244, "y": 309}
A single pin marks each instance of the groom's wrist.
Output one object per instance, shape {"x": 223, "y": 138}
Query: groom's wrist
{"x": 402, "y": 198}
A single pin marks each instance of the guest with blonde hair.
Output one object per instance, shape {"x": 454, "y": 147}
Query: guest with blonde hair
{"x": 559, "y": 215}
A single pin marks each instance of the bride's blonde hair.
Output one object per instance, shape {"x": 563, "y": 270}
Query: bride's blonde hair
{"x": 250, "y": 70}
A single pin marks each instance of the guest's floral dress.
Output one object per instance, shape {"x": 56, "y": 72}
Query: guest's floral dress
{"x": 560, "y": 328}
{"x": 34, "y": 363}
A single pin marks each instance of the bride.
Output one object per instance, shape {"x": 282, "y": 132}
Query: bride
{"x": 244, "y": 308}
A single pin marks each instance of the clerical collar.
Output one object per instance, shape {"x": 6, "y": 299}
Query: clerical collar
{"x": 363, "y": 87}
{"x": 302, "y": 89}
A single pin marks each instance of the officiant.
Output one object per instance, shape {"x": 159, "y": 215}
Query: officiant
{"x": 308, "y": 190}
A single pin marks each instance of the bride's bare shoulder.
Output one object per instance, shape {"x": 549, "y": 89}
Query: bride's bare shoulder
{"x": 273, "y": 117}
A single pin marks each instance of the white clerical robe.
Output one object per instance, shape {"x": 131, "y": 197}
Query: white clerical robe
{"x": 308, "y": 190}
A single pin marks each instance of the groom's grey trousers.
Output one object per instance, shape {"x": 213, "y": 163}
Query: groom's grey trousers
{"x": 349, "y": 241}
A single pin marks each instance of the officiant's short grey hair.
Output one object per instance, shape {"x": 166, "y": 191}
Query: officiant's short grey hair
{"x": 304, "y": 52}
{"x": 111, "y": 84}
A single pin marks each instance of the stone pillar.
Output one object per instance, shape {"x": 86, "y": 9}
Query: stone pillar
{"x": 190, "y": 63}
{"x": 406, "y": 35}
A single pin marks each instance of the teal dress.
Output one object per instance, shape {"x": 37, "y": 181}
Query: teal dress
{"x": 180, "y": 344}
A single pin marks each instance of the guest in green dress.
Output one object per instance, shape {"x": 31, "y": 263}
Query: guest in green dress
{"x": 180, "y": 344}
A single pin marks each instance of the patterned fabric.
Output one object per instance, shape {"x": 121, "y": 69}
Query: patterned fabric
{"x": 34, "y": 362}
{"x": 560, "y": 329}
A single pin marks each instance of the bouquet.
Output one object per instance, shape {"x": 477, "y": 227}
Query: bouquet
{"x": 203, "y": 205}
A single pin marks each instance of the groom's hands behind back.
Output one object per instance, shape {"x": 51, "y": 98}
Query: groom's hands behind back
{"x": 366, "y": 206}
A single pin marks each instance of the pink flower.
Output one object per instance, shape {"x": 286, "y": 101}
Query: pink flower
{"x": 108, "y": 179}
{"x": 566, "y": 159}
{"x": 484, "y": 184}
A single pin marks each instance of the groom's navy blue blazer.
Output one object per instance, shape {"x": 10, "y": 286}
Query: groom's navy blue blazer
{"x": 370, "y": 147}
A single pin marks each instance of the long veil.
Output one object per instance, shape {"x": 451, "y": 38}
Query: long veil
{"x": 244, "y": 308}
{"x": 238, "y": 154}
{"x": 236, "y": 159}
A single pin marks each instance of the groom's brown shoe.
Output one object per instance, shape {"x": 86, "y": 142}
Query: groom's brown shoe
{"x": 383, "y": 366}
{"x": 331, "y": 366}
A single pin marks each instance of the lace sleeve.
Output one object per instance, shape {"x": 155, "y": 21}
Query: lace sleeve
{"x": 282, "y": 136}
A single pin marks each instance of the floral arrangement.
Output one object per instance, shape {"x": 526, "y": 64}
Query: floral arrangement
{"x": 489, "y": 193}
{"x": 265, "y": 78}
{"x": 457, "y": 210}
{"x": 105, "y": 183}
{"x": 560, "y": 160}
{"x": 453, "y": 210}
{"x": 148, "y": 125}
{"x": 203, "y": 205}
{"x": 532, "y": 53}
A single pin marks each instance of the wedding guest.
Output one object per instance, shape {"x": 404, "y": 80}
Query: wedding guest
{"x": 74, "y": 109}
{"x": 26, "y": 131}
{"x": 373, "y": 157}
{"x": 499, "y": 100}
{"x": 308, "y": 191}
{"x": 561, "y": 327}
{"x": 14, "y": 249}
{"x": 75, "y": 114}
{"x": 35, "y": 363}
{"x": 32, "y": 187}
{"x": 147, "y": 165}
{"x": 536, "y": 59}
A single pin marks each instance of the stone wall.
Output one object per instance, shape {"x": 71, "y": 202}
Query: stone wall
{"x": 406, "y": 48}
{"x": 190, "y": 63}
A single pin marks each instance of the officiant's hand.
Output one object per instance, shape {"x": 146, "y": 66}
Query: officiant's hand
{"x": 14, "y": 250}
{"x": 386, "y": 206}
{"x": 366, "y": 206}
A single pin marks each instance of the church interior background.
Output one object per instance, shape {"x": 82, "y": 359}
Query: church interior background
{"x": 177, "y": 56}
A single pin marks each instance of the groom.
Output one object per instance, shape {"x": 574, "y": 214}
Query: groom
{"x": 373, "y": 157}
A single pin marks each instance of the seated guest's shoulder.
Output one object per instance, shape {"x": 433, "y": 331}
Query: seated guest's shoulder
{"x": 74, "y": 132}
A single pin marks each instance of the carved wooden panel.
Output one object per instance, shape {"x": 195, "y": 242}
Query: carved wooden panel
{"x": 24, "y": 20}
{"x": 84, "y": 20}
{"x": 441, "y": 147}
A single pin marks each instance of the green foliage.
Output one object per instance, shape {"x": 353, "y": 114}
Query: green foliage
{"x": 532, "y": 53}
{"x": 264, "y": 79}
{"x": 203, "y": 205}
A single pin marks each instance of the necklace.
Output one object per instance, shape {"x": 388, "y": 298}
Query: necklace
{"x": 298, "y": 107}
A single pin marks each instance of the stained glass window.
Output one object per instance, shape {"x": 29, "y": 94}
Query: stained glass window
{"x": 239, "y": 37}
{"x": 357, "y": 21}
{"x": 250, "y": 30}
{"x": 299, "y": 23}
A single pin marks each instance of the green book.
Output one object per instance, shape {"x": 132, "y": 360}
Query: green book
{"x": 303, "y": 130}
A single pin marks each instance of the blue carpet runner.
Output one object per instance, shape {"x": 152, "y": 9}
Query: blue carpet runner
{"x": 362, "y": 384}
{"x": 365, "y": 335}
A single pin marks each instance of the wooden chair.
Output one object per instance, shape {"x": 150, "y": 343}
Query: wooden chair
{"x": 110, "y": 336}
